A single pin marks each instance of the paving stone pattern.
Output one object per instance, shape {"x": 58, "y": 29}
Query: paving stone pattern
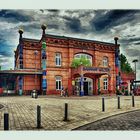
{"x": 125, "y": 121}
{"x": 81, "y": 110}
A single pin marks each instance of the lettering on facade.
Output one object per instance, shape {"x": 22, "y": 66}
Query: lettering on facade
{"x": 96, "y": 69}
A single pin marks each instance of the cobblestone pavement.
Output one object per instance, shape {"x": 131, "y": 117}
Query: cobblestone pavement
{"x": 125, "y": 121}
{"x": 81, "y": 111}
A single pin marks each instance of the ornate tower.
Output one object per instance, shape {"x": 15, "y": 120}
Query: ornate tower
{"x": 20, "y": 63}
{"x": 117, "y": 63}
{"x": 44, "y": 60}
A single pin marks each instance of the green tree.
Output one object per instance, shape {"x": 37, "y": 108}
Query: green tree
{"x": 80, "y": 61}
{"x": 125, "y": 66}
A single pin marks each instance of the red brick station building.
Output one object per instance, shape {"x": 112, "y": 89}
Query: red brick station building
{"x": 45, "y": 65}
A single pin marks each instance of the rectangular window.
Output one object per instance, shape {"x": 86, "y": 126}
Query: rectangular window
{"x": 105, "y": 62}
{"x": 58, "y": 82}
{"x": 105, "y": 84}
{"x": 58, "y": 59}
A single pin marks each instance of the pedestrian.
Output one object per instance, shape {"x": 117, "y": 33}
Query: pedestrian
{"x": 66, "y": 92}
{"x": 62, "y": 92}
{"x": 77, "y": 90}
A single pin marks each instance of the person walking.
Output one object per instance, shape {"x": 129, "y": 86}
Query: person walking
{"x": 62, "y": 92}
{"x": 66, "y": 92}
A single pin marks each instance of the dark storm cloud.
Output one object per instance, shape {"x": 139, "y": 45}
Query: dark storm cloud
{"x": 53, "y": 10}
{"x": 133, "y": 52}
{"x": 130, "y": 41}
{"x": 138, "y": 43}
{"x": 105, "y": 20}
{"x": 53, "y": 26}
{"x": 5, "y": 53}
{"x": 5, "y": 49}
{"x": 73, "y": 24}
{"x": 14, "y": 16}
{"x": 31, "y": 27}
{"x": 80, "y": 13}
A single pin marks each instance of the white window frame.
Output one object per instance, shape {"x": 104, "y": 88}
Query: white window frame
{"x": 105, "y": 61}
{"x": 105, "y": 83}
{"x": 58, "y": 81}
{"x": 58, "y": 59}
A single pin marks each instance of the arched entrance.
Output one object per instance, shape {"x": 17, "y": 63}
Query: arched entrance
{"x": 87, "y": 83}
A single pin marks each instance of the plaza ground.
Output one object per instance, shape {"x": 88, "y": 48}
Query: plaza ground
{"x": 81, "y": 110}
{"x": 125, "y": 121}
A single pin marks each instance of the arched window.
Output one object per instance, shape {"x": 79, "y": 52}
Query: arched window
{"x": 105, "y": 61}
{"x": 87, "y": 56}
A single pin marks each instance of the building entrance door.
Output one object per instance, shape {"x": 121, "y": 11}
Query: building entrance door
{"x": 86, "y": 88}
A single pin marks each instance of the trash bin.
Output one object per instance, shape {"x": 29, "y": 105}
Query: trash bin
{"x": 34, "y": 94}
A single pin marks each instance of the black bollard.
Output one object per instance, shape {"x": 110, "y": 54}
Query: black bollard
{"x": 66, "y": 112}
{"x": 6, "y": 121}
{"x": 103, "y": 104}
{"x": 133, "y": 101}
{"x": 38, "y": 116}
{"x": 119, "y": 102}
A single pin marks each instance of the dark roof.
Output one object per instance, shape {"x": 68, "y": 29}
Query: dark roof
{"x": 80, "y": 39}
{"x": 21, "y": 71}
{"x": 31, "y": 40}
{"x": 67, "y": 38}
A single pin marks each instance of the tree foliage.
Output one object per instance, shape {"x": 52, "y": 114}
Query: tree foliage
{"x": 125, "y": 66}
{"x": 80, "y": 61}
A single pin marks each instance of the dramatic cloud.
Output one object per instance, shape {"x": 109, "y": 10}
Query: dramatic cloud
{"x": 101, "y": 25}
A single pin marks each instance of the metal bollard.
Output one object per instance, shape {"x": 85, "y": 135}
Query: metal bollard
{"x": 103, "y": 104}
{"x": 133, "y": 101}
{"x": 66, "y": 112}
{"x": 6, "y": 121}
{"x": 119, "y": 102}
{"x": 38, "y": 116}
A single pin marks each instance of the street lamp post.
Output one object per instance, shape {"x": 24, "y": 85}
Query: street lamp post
{"x": 135, "y": 61}
{"x": 35, "y": 53}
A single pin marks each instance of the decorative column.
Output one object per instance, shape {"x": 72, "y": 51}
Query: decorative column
{"x": 44, "y": 60}
{"x": 20, "y": 63}
{"x": 82, "y": 82}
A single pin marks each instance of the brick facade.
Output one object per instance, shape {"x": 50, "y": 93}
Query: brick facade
{"x": 68, "y": 47}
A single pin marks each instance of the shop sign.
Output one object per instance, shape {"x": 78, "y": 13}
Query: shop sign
{"x": 95, "y": 69}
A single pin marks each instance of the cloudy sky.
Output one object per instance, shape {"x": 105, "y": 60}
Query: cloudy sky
{"x": 101, "y": 25}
